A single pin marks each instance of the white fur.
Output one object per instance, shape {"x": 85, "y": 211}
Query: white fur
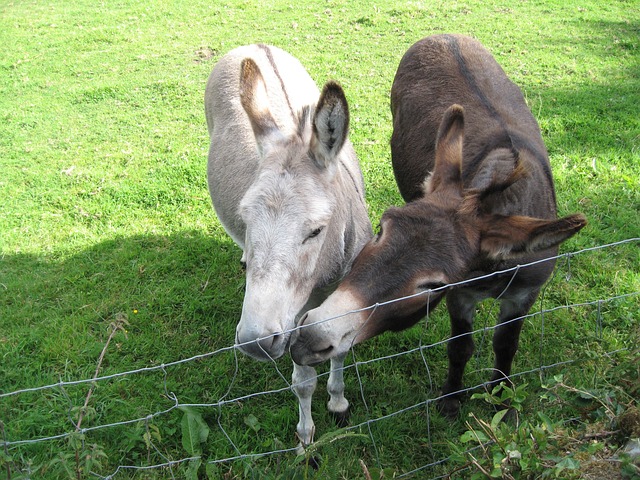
{"x": 427, "y": 186}
{"x": 271, "y": 195}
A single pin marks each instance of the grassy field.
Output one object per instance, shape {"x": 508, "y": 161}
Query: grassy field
{"x": 106, "y": 222}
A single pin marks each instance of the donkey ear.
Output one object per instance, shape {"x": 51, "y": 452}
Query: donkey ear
{"x": 254, "y": 100}
{"x": 509, "y": 237}
{"x": 448, "y": 163}
{"x": 330, "y": 125}
{"x": 500, "y": 169}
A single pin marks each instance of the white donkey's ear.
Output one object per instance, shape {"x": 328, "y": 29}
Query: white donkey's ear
{"x": 254, "y": 100}
{"x": 330, "y": 125}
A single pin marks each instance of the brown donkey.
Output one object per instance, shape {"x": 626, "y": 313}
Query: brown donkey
{"x": 469, "y": 160}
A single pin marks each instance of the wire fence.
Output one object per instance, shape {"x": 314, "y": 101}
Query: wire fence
{"x": 353, "y": 366}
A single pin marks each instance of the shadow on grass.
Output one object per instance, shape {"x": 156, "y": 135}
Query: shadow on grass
{"x": 593, "y": 137}
{"x": 598, "y": 113}
{"x": 600, "y": 118}
{"x": 181, "y": 295}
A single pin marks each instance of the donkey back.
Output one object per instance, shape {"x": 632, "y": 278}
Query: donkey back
{"x": 442, "y": 70}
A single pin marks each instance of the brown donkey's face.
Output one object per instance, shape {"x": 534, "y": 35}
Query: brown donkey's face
{"x": 422, "y": 246}
{"x": 419, "y": 247}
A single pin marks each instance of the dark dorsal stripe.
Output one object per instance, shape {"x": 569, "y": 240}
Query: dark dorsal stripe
{"x": 273, "y": 64}
{"x": 353, "y": 180}
{"x": 303, "y": 117}
{"x": 509, "y": 139}
{"x": 470, "y": 79}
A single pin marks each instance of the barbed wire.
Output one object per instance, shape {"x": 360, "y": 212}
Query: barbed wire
{"x": 162, "y": 366}
{"x": 228, "y": 399}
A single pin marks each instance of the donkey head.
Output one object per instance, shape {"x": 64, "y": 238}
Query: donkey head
{"x": 294, "y": 224}
{"x": 424, "y": 245}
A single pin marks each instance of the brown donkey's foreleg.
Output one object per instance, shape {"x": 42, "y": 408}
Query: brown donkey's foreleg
{"x": 507, "y": 333}
{"x": 459, "y": 349}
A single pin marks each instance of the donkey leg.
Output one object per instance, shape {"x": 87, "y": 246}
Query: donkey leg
{"x": 338, "y": 405}
{"x": 507, "y": 334}
{"x": 459, "y": 350}
{"x": 304, "y": 381}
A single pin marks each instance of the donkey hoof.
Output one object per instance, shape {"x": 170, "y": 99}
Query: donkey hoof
{"x": 449, "y": 407}
{"x": 313, "y": 462}
{"x": 341, "y": 418}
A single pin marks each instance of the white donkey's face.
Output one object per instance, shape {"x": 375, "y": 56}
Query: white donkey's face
{"x": 292, "y": 224}
{"x": 289, "y": 216}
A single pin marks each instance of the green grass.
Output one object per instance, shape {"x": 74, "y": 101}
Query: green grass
{"x": 105, "y": 215}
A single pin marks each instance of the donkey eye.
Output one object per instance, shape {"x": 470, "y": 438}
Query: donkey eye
{"x": 314, "y": 233}
{"x": 432, "y": 285}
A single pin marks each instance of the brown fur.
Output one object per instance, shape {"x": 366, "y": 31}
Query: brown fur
{"x": 504, "y": 180}
{"x": 487, "y": 204}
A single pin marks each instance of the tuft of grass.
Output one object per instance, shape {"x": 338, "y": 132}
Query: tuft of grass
{"x": 105, "y": 215}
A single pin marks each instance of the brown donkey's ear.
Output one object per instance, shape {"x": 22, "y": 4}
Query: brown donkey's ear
{"x": 508, "y": 237}
{"x": 448, "y": 164}
{"x": 254, "y": 100}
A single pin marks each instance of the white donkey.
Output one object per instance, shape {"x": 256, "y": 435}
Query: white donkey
{"x": 287, "y": 187}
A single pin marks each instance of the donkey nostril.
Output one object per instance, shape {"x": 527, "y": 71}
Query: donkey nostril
{"x": 266, "y": 347}
{"x": 303, "y": 319}
{"x": 325, "y": 351}
{"x": 276, "y": 340}
{"x": 267, "y": 343}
